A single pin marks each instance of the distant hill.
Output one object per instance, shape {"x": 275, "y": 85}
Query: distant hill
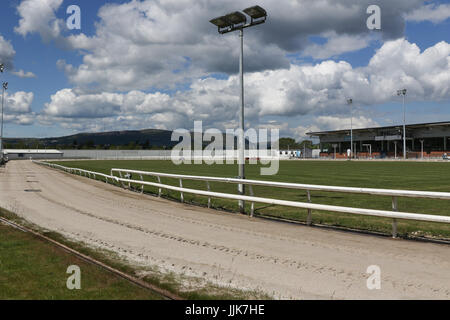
{"x": 147, "y": 138}
{"x": 129, "y": 139}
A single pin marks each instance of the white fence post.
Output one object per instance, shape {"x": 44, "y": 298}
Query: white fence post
{"x": 121, "y": 182}
{"x": 181, "y": 193}
{"x": 160, "y": 190}
{"x": 209, "y": 198}
{"x": 309, "y": 217}
{"x": 252, "y": 210}
{"x": 394, "y": 221}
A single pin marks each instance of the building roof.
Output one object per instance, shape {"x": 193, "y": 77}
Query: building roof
{"x": 34, "y": 151}
{"x": 409, "y": 126}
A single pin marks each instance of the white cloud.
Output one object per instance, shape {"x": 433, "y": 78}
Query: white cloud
{"x": 425, "y": 74}
{"x": 153, "y": 45}
{"x": 166, "y": 121}
{"x": 299, "y": 133}
{"x": 18, "y": 102}
{"x": 39, "y": 16}
{"x": 18, "y": 108}
{"x": 324, "y": 87}
{"x": 66, "y": 103}
{"x": 336, "y": 45}
{"x": 7, "y": 53}
{"x": 340, "y": 122}
{"x": 142, "y": 45}
{"x": 430, "y": 12}
{"x": 20, "y": 119}
{"x": 23, "y": 74}
{"x": 320, "y": 90}
{"x": 93, "y": 112}
{"x": 70, "y": 104}
{"x": 325, "y": 123}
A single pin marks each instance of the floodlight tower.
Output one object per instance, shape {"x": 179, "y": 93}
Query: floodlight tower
{"x": 232, "y": 22}
{"x": 5, "y": 86}
{"x": 350, "y": 102}
{"x": 2, "y": 68}
{"x": 403, "y": 94}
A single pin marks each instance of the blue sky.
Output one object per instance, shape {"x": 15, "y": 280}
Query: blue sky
{"x": 168, "y": 82}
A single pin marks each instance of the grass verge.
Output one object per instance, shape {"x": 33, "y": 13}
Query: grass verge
{"x": 31, "y": 268}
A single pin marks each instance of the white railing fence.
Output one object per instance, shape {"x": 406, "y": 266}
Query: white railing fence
{"x": 124, "y": 177}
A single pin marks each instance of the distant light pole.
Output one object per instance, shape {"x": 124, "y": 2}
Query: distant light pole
{"x": 403, "y": 94}
{"x": 350, "y": 103}
{"x": 5, "y": 86}
{"x": 421, "y": 147}
{"x": 228, "y": 23}
{"x": 395, "y": 143}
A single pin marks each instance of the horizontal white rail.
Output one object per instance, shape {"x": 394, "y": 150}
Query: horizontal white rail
{"x": 379, "y": 192}
{"x": 71, "y": 170}
{"x": 306, "y": 205}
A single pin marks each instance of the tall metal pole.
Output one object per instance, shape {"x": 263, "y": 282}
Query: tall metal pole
{"x": 241, "y": 120}
{"x": 403, "y": 94}
{"x": 2, "y": 68}
{"x": 351, "y": 130}
{"x": 229, "y": 23}
{"x": 350, "y": 102}
{"x": 1, "y": 131}
{"x": 404, "y": 128}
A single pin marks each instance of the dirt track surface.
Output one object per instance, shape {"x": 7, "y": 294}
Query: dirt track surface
{"x": 283, "y": 260}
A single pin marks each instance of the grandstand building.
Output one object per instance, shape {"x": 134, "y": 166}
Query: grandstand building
{"x": 427, "y": 140}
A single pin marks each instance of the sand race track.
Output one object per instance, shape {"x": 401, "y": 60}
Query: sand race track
{"x": 283, "y": 260}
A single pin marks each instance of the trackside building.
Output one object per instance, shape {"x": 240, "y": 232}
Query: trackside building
{"x": 427, "y": 140}
{"x": 25, "y": 154}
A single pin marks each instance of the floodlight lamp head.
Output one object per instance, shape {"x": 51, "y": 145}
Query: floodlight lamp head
{"x": 221, "y": 22}
{"x": 236, "y": 18}
{"x": 5, "y": 85}
{"x": 2, "y": 67}
{"x": 256, "y": 12}
{"x": 350, "y": 101}
{"x": 238, "y": 21}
